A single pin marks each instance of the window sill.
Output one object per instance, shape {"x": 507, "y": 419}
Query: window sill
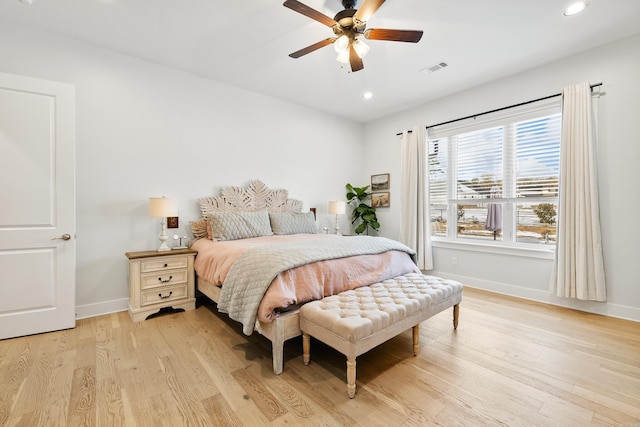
{"x": 527, "y": 251}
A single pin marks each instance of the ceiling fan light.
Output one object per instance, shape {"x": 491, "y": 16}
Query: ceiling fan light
{"x": 361, "y": 48}
{"x": 341, "y": 44}
{"x": 343, "y": 57}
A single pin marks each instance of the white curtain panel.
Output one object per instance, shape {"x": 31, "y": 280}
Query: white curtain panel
{"x": 415, "y": 227}
{"x": 578, "y": 269}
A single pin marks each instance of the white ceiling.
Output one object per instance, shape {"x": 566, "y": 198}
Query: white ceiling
{"x": 246, "y": 43}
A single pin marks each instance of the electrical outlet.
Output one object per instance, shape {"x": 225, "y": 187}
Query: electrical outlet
{"x": 454, "y": 260}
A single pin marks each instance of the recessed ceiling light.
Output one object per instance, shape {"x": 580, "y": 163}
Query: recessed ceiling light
{"x": 367, "y": 95}
{"x": 28, "y": 1}
{"x": 576, "y": 8}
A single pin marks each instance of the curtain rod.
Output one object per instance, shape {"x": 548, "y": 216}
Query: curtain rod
{"x": 497, "y": 109}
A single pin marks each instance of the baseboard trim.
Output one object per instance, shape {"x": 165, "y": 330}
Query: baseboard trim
{"x": 602, "y": 308}
{"x": 100, "y": 308}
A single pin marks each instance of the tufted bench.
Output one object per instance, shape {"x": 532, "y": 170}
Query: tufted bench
{"x": 353, "y": 322}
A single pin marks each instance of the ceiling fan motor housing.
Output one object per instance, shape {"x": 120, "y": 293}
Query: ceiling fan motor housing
{"x": 349, "y": 4}
{"x": 347, "y": 23}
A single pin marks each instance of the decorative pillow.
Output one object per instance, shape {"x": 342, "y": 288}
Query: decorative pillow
{"x": 239, "y": 225}
{"x": 200, "y": 228}
{"x": 293, "y": 223}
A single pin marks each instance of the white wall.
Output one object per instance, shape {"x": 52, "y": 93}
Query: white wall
{"x": 145, "y": 130}
{"x": 617, "y": 66}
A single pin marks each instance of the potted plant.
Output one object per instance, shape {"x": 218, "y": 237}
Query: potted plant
{"x": 362, "y": 212}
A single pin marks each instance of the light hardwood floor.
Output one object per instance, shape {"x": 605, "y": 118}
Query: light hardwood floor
{"x": 510, "y": 363}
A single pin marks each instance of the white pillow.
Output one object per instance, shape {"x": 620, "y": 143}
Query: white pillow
{"x": 293, "y": 223}
{"x": 239, "y": 225}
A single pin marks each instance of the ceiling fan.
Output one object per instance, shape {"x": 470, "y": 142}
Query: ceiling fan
{"x": 348, "y": 25}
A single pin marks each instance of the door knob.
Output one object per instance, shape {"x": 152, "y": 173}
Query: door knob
{"x": 63, "y": 237}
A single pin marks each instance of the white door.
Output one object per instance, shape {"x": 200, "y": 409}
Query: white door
{"x": 37, "y": 206}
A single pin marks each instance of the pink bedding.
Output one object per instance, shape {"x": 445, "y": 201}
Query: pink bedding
{"x": 305, "y": 283}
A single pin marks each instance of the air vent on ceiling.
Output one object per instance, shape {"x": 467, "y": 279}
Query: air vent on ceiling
{"x": 434, "y": 68}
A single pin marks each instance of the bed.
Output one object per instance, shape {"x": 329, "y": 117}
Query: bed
{"x": 260, "y": 258}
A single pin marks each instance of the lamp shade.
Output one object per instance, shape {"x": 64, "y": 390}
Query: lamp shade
{"x": 343, "y": 57}
{"x": 342, "y": 44}
{"x": 361, "y": 48}
{"x": 337, "y": 207}
{"x": 161, "y": 207}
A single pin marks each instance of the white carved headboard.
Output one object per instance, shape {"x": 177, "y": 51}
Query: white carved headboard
{"x": 255, "y": 197}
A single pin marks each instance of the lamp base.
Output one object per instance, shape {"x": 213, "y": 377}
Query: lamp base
{"x": 163, "y": 237}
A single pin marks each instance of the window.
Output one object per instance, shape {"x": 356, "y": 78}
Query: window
{"x": 496, "y": 180}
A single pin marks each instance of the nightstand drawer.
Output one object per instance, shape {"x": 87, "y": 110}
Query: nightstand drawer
{"x": 166, "y": 278}
{"x": 165, "y": 294}
{"x": 166, "y": 263}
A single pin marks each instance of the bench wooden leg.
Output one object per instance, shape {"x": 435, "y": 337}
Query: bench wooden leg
{"x": 306, "y": 348}
{"x": 456, "y": 313}
{"x": 416, "y": 339}
{"x": 351, "y": 377}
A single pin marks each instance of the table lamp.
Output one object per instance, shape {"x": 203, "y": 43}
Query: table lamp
{"x": 161, "y": 207}
{"x": 337, "y": 207}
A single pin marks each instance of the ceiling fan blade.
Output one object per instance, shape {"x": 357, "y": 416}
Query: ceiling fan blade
{"x": 355, "y": 60}
{"x": 367, "y": 9}
{"x": 312, "y": 47}
{"x": 310, "y": 12}
{"x": 411, "y": 36}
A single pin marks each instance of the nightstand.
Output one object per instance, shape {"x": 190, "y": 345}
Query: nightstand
{"x": 159, "y": 280}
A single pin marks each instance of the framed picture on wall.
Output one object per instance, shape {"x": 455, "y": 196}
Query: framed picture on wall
{"x": 380, "y": 182}
{"x": 380, "y": 200}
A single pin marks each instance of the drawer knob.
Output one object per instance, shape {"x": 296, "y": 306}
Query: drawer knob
{"x": 165, "y": 280}
{"x": 165, "y": 296}
{"x": 166, "y": 265}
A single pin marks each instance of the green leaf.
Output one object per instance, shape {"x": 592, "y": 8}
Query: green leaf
{"x": 369, "y": 217}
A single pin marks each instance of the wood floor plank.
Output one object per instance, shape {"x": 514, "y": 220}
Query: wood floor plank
{"x": 85, "y": 352}
{"x": 54, "y": 407}
{"x": 32, "y": 392}
{"x": 110, "y": 404}
{"x": 220, "y": 412}
{"x": 82, "y": 401}
{"x": 270, "y": 407}
{"x": 187, "y": 404}
{"x": 289, "y": 396}
{"x": 16, "y": 363}
{"x": 129, "y": 419}
{"x": 313, "y": 388}
{"x": 231, "y": 391}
